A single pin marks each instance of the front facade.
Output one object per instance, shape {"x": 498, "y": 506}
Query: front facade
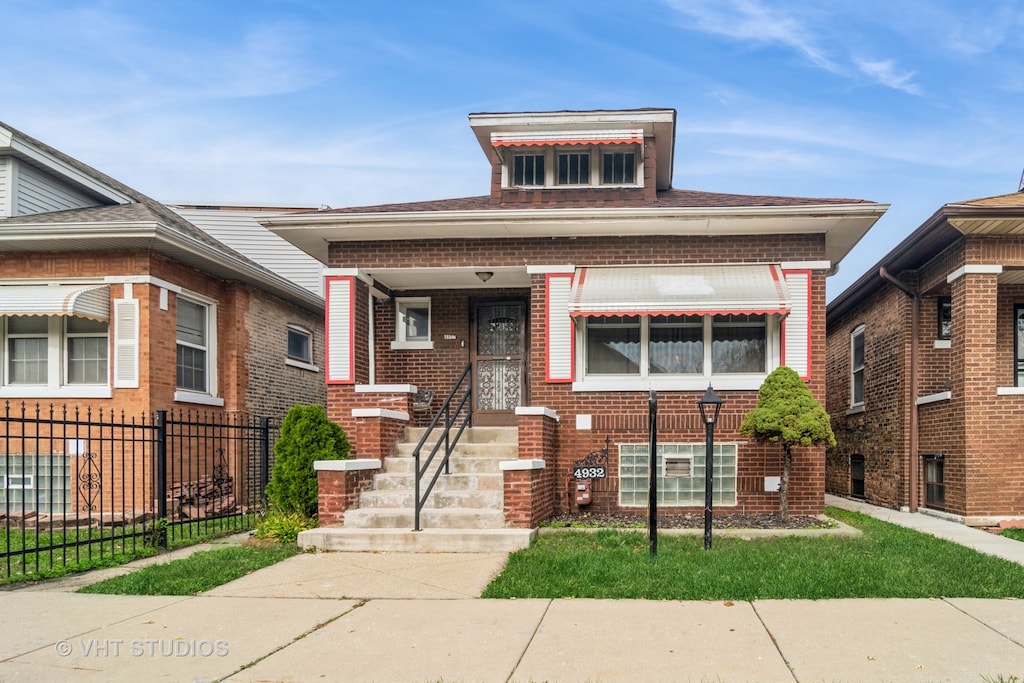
{"x": 113, "y": 304}
{"x": 926, "y": 369}
{"x": 578, "y": 285}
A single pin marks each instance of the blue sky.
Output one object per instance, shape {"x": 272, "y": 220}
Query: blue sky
{"x": 915, "y": 103}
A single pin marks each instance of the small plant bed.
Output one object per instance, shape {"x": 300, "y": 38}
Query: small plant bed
{"x": 586, "y": 520}
{"x": 196, "y": 573}
{"x": 885, "y": 561}
{"x": 1016, "y": 534}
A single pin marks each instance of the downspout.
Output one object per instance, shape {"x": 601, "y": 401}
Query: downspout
{"x": 912, "y": 456}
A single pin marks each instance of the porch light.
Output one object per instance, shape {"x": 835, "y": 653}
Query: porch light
{"x": 709, "y": 406}
{"x": 484, "y": 275}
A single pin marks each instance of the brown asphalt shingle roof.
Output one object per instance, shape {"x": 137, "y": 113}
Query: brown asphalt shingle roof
{"x": 665, "y": 199}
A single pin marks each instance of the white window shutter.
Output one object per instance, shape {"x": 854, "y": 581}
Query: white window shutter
{"x": 796, "y": 328}
{"x": 126, "y": 343}
{"x": 559, "y": 328}
{"x": 340, "y": 316}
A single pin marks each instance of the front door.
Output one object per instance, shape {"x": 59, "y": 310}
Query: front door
{"x": 499, "y": 361}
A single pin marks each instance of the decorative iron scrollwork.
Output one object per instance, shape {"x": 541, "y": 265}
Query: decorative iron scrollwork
{"x": 90, "y": 481}
{"x": 595, "y": 465}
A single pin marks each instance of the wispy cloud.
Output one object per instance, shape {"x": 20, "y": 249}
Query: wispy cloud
{"x": 754, "y": 21}
{"x": 887, "y": 73}
{"x": 762, "y": 23}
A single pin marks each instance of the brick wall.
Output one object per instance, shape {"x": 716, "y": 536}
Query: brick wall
{"x": 975, "y": 430}
{"x": 619, "y": 415}
{"x": 879, "y": 432}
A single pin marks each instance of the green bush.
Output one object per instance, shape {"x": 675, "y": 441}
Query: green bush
{"x": 306, "y": 436}
{"x": 281, "y": 527}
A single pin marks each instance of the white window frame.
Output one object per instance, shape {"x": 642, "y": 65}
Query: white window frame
{"x": 646, "y": 380}
{"x": 401, "y": 342}
{"x": 550, "y": 154}
{"x": 66, "y": 349}
{"x": 57, "y": 361}
{"x": 209, "y": 396}
{"x": 301, "y": 363}
{"x": 633, "y": 455}
{"x": 856, "y": 370}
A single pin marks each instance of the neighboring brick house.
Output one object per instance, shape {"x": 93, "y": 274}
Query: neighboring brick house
{"x": 929, "y": 419}
{"x": 581, "y": 282}
{"x": 111, "y": 301}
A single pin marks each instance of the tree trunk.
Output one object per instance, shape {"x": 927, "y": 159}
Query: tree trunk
{"x": 787, "y": 465}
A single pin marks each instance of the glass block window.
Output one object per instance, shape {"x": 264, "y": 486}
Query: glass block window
{"x": 676, "y": 490}
{"x": 36, "y": 483}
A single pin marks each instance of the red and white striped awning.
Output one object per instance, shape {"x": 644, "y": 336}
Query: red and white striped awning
{"x": 678, "y": 290}
{"x": 582, "y": 137}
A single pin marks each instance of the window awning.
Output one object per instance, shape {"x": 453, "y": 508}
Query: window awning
{"x": 87, "y": 301}
{"x": 583, "y": 137}
{"x": 678, "y": 290}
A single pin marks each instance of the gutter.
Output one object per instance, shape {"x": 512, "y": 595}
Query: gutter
{"x": 914, "y": 325}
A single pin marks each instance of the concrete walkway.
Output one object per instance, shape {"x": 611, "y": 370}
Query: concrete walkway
{"x": 416, "y": 617}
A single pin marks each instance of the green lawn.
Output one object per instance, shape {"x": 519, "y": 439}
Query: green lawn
{"x": 196, "y": 573}
{"x": 886, "y": 561}
{"x": 39, "y": 554}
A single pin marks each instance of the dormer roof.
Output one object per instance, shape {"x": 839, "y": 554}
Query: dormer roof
{"x": 494, "y": 130}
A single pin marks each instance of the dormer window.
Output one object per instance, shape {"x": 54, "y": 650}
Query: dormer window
{"x": 618, "y": 168}
{"x": 528, "y": 169}
{"x": 574, "y": 168}
{"x": 575, "y": 165}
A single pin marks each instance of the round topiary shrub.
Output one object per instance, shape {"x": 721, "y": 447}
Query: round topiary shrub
{"x": 306, "y": 436}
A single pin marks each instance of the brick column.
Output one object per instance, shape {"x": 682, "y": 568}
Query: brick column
{"x": 377, "y": 431}
{"x": 529, "y": 482}
{"x": 339, "y": 483}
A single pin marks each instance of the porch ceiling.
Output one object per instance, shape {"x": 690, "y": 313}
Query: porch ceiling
{"x": 398, "y": 279}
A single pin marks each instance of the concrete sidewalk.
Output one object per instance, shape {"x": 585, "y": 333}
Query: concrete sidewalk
{"x": 415, "y": 617}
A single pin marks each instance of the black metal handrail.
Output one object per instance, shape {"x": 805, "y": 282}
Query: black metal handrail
{"x": 463, "y": 411}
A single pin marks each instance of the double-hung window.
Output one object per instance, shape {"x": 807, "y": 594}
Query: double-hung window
{"x": 196, "y": 351}
{"x": 55, "y": 354}
{"x": 857, "y": 367}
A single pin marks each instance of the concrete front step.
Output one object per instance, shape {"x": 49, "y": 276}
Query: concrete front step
{"x": 505, "y": 451}
{"x": 430, "y": 518}
{"x": 346, "y": 539}
{"x": 508, "y": 435}
{"x": 456, "y": 464}
{"x": 379, "y": 499}
{"x": 482, "y": 481}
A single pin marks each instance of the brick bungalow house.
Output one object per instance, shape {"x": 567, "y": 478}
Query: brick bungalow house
{"x": 110, "y": 301}
{"x": 925, "y": 365}
{"x": 580, "y": 283}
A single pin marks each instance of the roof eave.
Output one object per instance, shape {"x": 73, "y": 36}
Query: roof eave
{"x": 843, "y": 224}
{"x": 155, "y": 236}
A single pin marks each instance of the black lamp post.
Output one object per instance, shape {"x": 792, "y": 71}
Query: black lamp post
{"x": 709, "y": 406}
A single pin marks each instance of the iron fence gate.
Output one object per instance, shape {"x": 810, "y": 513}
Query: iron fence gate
{"x": 80, "y": 487}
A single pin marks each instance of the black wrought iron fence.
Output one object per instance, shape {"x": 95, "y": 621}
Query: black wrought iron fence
{"x": 78, "y": 489}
